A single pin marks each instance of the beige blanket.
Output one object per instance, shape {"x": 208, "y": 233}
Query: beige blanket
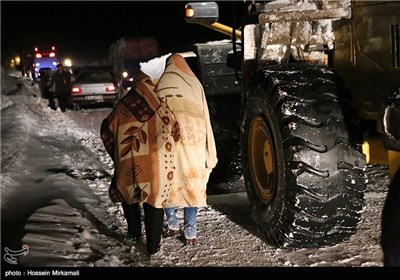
{"x": 195, "y": 153}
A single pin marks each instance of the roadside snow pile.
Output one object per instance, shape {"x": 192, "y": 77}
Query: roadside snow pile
{"x": 19, "y": 90}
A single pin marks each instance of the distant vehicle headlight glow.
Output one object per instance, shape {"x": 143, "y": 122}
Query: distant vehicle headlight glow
{"x": 67, "y": 62}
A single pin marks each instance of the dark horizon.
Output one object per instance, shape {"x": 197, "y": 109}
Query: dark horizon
{"x": 86, "y": 29}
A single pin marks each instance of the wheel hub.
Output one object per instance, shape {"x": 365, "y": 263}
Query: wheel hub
{"x": 261, "y": 159}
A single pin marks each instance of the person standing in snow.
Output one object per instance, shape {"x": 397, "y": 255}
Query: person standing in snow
{"x": 140, "y": 135}
{"x": 62, "y": 81}
{"x": 195, "y": 153}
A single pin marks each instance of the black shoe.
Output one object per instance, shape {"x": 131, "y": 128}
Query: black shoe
{"x": 171, "y": 233}
{"x": 132, "y": 239}
{"x": 155, "y": 254}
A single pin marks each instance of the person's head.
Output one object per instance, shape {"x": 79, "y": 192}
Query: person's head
{"x": 60, "y": 67}
{"x": 179, "y": 62}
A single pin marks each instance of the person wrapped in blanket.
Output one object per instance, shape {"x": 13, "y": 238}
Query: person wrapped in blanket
{"x": 195, "y": 153}
{"x": 140, "y": 135}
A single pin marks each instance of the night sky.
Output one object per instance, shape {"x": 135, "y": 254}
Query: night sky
{"x": 84, "y": 30}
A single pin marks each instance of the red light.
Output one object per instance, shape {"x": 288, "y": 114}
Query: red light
{"x": 76, "y": 90}
{"x": 53, "y": 48}
{"x": 38, "y": 55}
{"x": 36, "y": 49}
{"x": 110, "y": 88}
{"x": 52, "y": 54}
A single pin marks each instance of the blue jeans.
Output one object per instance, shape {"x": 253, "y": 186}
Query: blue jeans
{"x": 189, "y": 218}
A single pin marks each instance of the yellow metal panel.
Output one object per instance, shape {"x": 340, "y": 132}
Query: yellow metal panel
{"x": 375, "y": 151}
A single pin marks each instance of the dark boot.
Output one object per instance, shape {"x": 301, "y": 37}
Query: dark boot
{"x": 133, "y": 219}
{"x": 62, "y": 101}
{"x": 153, "y": 222}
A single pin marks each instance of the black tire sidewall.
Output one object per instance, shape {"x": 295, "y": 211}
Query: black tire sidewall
{"x": 267, "y": 215}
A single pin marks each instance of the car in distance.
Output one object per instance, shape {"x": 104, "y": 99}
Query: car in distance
{"x": 44, "y": 58}
{"x": 94, "y": 85}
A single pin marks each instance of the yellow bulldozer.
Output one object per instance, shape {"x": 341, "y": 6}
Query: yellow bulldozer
{"x": 319, "y": 101}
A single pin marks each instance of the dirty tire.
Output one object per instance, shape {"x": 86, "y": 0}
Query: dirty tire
{"x": 304, "y": 178}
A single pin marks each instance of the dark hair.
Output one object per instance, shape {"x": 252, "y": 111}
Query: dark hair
{"x": 59, "y": 65}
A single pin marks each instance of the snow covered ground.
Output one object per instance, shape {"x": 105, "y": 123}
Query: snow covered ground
{"x": 54, "y": 199}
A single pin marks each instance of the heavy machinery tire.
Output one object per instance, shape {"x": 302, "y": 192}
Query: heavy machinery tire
{"x": 304, "y": 178}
